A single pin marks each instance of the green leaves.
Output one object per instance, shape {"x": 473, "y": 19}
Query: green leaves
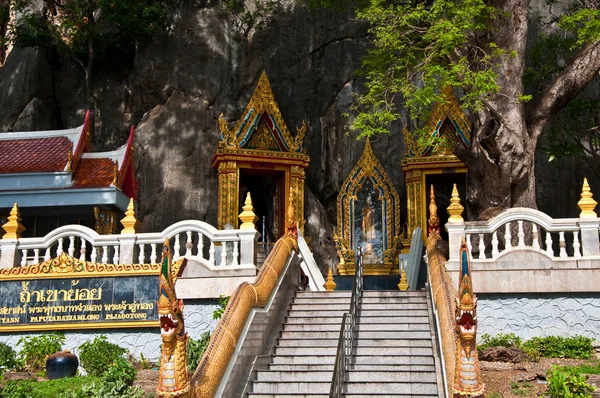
{"x": 35, "y": 350}
{"x": 584, "y": 23}
{"x": 418, "y": 48}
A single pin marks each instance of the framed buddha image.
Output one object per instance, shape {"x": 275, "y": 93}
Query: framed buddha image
{"x": 368, "y": 223}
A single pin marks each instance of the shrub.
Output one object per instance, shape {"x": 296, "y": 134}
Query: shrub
{"x": 564, "y": 382}
{"x": 36, "y": 349}
{"x": 98, "y": 355}
{"x": 59, "y": 388}
{"x": 120, "y": 371}
{"x": 223, "y": 301}
{"x": 509, "y": 340}
{"x": 8, "y": 358}
{"x": 196, "y": 349}
{"x": 560, "y": 347}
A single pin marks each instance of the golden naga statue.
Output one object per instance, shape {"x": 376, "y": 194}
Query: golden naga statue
{"x": 174, "y": 378}
{"x": 467, "y": 380}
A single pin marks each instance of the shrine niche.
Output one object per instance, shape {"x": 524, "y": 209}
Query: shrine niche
{"x": 435, "y": 164}
{"x": 368, "y": 216}
{"x": 260, "y": 155}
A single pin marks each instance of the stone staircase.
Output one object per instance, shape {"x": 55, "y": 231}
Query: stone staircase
{"x": 393, "y": 357}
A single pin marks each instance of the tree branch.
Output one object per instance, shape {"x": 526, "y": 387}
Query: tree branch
{"x": 566, "y": 87}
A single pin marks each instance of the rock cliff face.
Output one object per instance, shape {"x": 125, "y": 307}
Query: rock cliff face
{"x": 175, "y": 89}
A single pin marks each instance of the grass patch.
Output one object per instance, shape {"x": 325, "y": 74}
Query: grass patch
{"x": 46, "y": 389}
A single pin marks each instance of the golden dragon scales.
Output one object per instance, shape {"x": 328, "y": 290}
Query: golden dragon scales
{"x": 174, "y": 378}
{"x": 467, "y": 378}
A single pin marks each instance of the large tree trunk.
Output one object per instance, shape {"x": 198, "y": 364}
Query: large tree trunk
{"x": 4, "y": 20}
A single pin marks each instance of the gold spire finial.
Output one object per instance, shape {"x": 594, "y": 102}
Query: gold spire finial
{"x": 292, "y": 226}
{"x": 69, "y": 166}
{"x": 330, "y": 284}
{"x": 13, "y": 227}
{"x": 116, "y": 173}
{"x": 247, "y": 216}
{"x": 403, "y": 285}
{"x": 587, "y": 204}
{"x": 434, "y": 222}
{"x": 455, "y": 209}
{"x": 129, "y": 222}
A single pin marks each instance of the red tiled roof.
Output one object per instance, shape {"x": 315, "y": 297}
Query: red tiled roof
{"x": 93, "y": 173}
{"x": 34, "y": 155}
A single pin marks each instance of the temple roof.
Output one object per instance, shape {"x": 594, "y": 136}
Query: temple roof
{"x": 59, "y": 160}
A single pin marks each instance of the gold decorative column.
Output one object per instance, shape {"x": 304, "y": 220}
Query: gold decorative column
{"x": 297, "y": 188}
{"x": 129, "y": 222}
{"x": 330, "y": 284}
{"x": 247, "y": 216}
{"x": 455, "y": 209}
{"x": 228, "y": 200}
{"x": 587, "y": 204}
{"x": 13, "y": 228}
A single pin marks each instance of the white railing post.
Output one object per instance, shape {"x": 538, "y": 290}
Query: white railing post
{"x": 456, "y": 231}
{"x": 10, "y": 256}
{"x": 590, "y": 245}
{"x": 247, "y": 246}
{"x": 127, "y": 249}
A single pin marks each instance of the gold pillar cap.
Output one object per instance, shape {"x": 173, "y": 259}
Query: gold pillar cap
{"x": 247, "y": 216}
{"x": 330, "y": 284}
{"x": 129, "y": 222}
{"x": 455, "y": 209}
{"x": 403, "y": 285}
{"x": 13, "y": 227}
{"x": 587, "y": 204}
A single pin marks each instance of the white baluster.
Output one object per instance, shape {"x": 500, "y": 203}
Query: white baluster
{"x": 211, "y": 253}
{"x": 536, "y": 240}
{"x": 236, "y": 254}
{"x": 176, "y": 248}
{"x": 94, "y": 255}
{"x": 116, "y": 256}
{"x": 59, "y": 248}
{"x": 23, "y": 257}
{"x": 576, "y": 244}
{"x": 521, "y": 234}
{"x": 481, "y": 247}
{"x": 562, "y": 244}
{"x": 153, "y": 253}
{"x": 549, "y": 244}
{"x": 82, "y": 249}
{"x": 200, "y": 245}
{"x": 71, "y": 245}
{"x": 223, "y": 254}
{"x": 36, "y": 256}
{"x": 507, "y": 237}
{"x": 495, "y": 250}
{"x": 141, "y": 257}
{"x": 469, "y": 245}
{"x": 188, "y": 244}
{"x": 104, "y": 254}
{"x": 47, "y": 254}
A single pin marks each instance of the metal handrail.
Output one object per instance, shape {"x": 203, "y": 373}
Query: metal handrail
{"x": 345, "y": 348}
{"x": 265, "y": 237}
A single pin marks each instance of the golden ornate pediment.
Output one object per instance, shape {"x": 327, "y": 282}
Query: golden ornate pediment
{"x": 447, "y": 126}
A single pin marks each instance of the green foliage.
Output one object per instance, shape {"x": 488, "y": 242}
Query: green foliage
{"x": 589, "y": 368}
{"x": 565, "y": 382}
{"x": 8, "y": 358}
{"x": 246, "y": 19}
{"x": 35, "y": 350}
{"x": 560, "y": 347}
{"x": 223, "y": 300}
{"x": 59, "y": 388}
{"x": 196, "y": 349}
{"x": 494, "y": 394}
{"x": 521, "y": 389}
{"x": 509, "y": 340}
{"x": 99, "y": 355}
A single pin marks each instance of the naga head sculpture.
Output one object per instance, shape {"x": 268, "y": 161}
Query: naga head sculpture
{"x": 174, "y": 378}
{"x": 466, "y": 304}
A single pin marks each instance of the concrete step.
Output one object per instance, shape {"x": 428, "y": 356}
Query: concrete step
{"x": 307, "y": 342}
{"x": 307, "y": 327}
{"x": 359, "y": 350}
{"x": 417, "y": 327}
{"x": 319, "y": 313}
{"x": 392, "y": 368}
{"x": 384, "y": 343}
{"x": 304, "y": 360}
{"x": 340, "y": 293}
{"x": 391, "y": 388}
{"x": 313, "y": 319}
{"x": 393, "y": 293}
{"x": 399, "y": 312}
{"x": 391, "y": 360}
{"x": 294, "y": 375}
{"x": 392, "y": 334}
{"x": 356, "y": 376}
{"x": 392, "y": 306}
{"x": 291, "y": 387}
{"x": 311, "y": 367}
{"x": 393, "y": 319}
{"x": 365, "y": 300}
{"x": 320, "y": 307}
{"x": 332, "y": 334}
{"x": 288, "y": 395}
{"x": 402, "y": 300}
{"x": 321, "y": 300}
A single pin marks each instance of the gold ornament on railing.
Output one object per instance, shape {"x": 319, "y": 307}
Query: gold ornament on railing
{"x": 455, "y": 209}
{"x": 13, "y": 227}
{"x": 247, "y": 215}
{"x": 403, "y": 285}
{"x": 587, "y": 204}
{"x": 330, "y": 284}
{"x": 129, "y": 222}
{"x": 292, "y": 226}
{"x": 433, "y": 224}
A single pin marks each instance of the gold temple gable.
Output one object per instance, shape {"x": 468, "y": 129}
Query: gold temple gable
{"x": 368, "y": 168}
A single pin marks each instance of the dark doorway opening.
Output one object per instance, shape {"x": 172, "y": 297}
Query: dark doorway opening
{"x": 442, "y": 185}
{"x": 266, "y": 188}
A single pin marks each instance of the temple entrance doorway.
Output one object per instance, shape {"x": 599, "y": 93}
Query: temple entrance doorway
{"x": 267, "y": 189}
{"x": 442, "y": 184}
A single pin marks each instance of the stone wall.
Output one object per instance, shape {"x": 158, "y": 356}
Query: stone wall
{"x": 146, "y": 341}
{"x": 537, "y": 315}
